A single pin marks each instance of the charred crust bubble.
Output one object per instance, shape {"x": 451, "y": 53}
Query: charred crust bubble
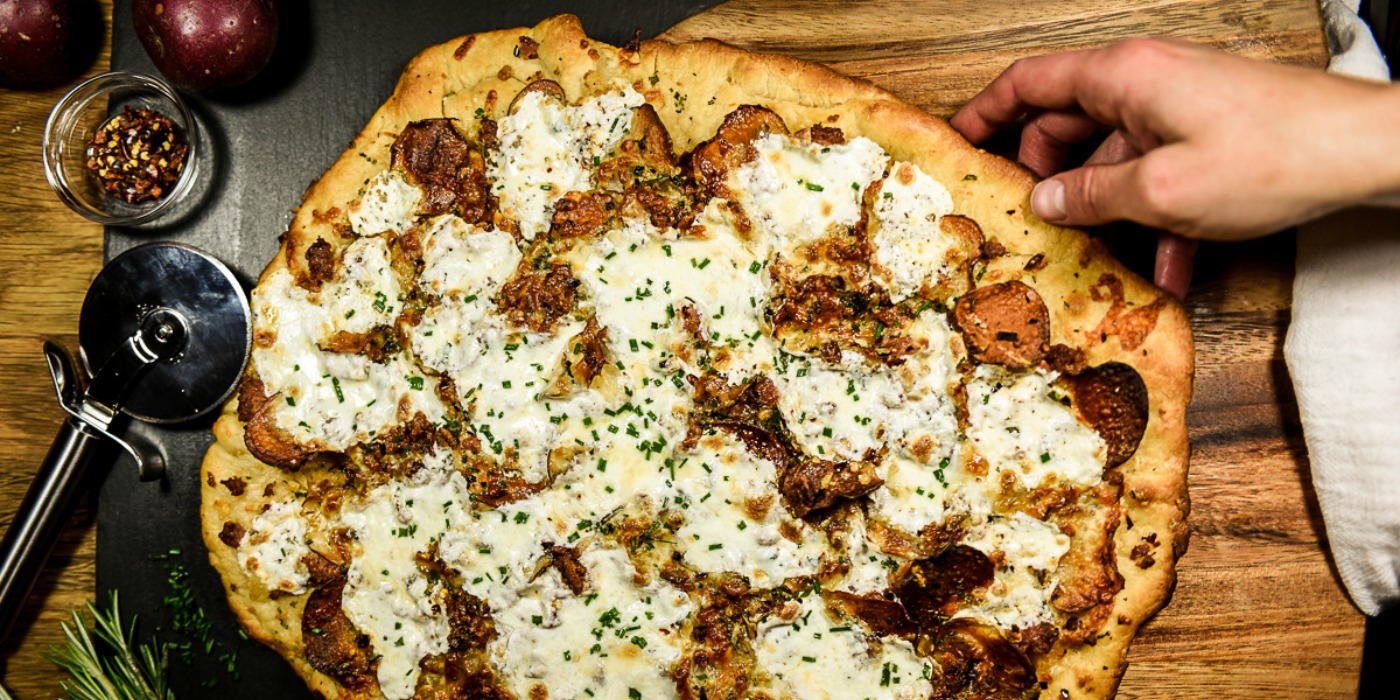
{"x": 1112, "y": 399}
{"x": 1004, "y": 324}
{"x": 884, "y": 618}
{"x": 973, "y": 660}
{"x": 333, "y": 645}
{"x": 450, "y": 172}
{"x": 527, "y": 48}
{"x": 231, "y": 534}
{"x": 933, "y": 590}
{"x": 712, "y": 161}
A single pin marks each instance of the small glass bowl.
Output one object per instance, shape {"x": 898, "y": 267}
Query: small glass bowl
{"x": 81, "y": 113}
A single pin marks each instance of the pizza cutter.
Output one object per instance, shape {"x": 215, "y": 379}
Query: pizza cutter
{"x": 164, "y": 335}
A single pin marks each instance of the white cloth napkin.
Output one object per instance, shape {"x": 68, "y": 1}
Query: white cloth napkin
{"x": 1343, "y": 352}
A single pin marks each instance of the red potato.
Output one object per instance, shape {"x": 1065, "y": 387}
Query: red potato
{"x": 206, "y": 44}
{"x": 36, "y": 42}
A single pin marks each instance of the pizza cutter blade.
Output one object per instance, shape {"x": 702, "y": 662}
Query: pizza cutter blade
{"x": 165, "y": 332}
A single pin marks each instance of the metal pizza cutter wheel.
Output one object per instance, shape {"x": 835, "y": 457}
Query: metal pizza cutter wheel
{"x": 164, "y": 334}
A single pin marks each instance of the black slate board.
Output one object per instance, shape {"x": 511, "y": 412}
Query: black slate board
{"x": 336, "y": 62}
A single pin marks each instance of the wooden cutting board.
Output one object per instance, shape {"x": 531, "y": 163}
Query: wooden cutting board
{"x": 1258, "y": 610}
{"x": 937, "y": 54}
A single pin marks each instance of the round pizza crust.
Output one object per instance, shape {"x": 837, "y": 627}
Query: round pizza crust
{"x": 1095, "y": 303}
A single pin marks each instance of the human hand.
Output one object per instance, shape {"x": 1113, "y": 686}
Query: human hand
{"x": 1207, "y": 145}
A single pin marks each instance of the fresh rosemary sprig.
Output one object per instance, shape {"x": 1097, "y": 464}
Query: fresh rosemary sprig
{"x": 117, "y": 672}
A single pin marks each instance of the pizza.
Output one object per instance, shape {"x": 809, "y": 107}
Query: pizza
{"x": 683, "y": 371}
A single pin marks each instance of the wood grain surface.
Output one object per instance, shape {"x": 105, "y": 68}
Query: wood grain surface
{"x": 1258, "y": 612}
{"x": 938, "y": 54}
{"x": 48, "y": 256}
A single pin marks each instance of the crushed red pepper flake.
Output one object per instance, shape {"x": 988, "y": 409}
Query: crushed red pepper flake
{"x": 137, "y": 155}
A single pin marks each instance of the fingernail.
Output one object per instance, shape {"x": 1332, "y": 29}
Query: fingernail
{"x": 1048, "y": 200}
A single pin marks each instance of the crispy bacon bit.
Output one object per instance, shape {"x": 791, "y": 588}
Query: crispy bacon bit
{"x": 1065, "y": 359}
{"x": 497, "y": 484}
{"x": 333, "y": 645}
{"x": 231, "y": 534}
{"x": 747, "y": 411}
{"x": 581, "y": 214}
{"x": 934, "y": 589}
{"x": 538, "y": 299}
{"x": 690, "y": 321}
{"x": 825, "y": 313}
{"x": 376, "y": 344}
{"x": 469, "y": 621}
{"x": 566, "y": 562}
{"x": 433, "y": 152}
{"x": 320, "y": 264}
{"x": 712, "y": 161}
{"x": 528, "y": 48}
{"x": 973, "y": 660}
{"x": 451, "y": 173}
{"x": 883, "y": 617}
{"x": 1005, "y": 324}
{"x": 822, "y": 135}
{"x": 1036, "y": 639}
{"x": 813, "y": 484}
{"x": 1111, "y": 398}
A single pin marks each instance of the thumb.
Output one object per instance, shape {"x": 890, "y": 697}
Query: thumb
{"x": 1090, "y": 195}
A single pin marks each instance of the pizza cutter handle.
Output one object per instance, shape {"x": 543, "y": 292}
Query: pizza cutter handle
{"x": 41, "y": 516}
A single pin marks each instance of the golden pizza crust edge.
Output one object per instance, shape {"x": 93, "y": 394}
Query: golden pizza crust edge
{"x": 483, "y": 71}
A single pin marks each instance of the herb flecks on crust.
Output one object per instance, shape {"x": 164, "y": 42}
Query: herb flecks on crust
{"x": 570, "y": 399}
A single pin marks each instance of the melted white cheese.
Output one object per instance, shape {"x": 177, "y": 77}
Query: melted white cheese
{"x": 799, "y": 192}
{"x": 273, "y": 548}
{"x": 809, "y": 661}
{"x": 460, "y": 259}
{"x": 1016, "y": 423}
{"x": 638, "y": 279}
{"x": 910, "y": 248}
{"x": 388, "y": 204}
{"x": 386, "y": 595}
{"x": 330, "y": 400}
{"x": 733, "y": 513}
{"x": 1019, "y": 596}
{"x": 548, "y": 148}
{"x": 617, "y": 640}
{"x": 838, "y": 411}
